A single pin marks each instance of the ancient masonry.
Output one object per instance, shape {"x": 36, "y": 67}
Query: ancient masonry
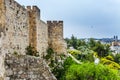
{"x": 20, "y": 27}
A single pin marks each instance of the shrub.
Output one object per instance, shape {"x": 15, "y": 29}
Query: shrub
{"x": 109, "y": 63}
{"x": 90, "y": 71}
{"x": 31, "y": 51}
{"x": 109, "y": 58}
{"x": 117, "y": 58}
{"x": 74, "y": 52}
{"x": 60, "y": 70}
{"x": 15, "y": 53}
{"x": 49, "y": 53}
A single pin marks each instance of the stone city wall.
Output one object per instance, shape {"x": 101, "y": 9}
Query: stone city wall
{"x": 16, "y": 27}
{"x": 19, "y": 27}
{"x": 42, "y": 40}
{"x": 22, "y": 26}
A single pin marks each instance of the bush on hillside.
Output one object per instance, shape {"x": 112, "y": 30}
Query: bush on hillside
{"x": 111, "y": 64}
{"x": 90, "y": 71}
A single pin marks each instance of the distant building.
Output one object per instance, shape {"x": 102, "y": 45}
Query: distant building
{"x": 115, "y": 49}
{"x": 115, "y": 45}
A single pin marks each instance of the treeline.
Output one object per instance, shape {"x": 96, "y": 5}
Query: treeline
{"x": 101, "y": 49}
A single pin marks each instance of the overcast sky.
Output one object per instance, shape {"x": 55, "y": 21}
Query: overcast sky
{"x": 82, "y": 18}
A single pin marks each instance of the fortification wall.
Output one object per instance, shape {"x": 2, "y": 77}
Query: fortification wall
{"x": 16, "y": 28}
{"x": 42, "y": 37}
{"x": 55, "y": 36}
{"x": 23, "y": 27}
{"x": 19, "y": 27}
{"x": 26, "y": 68}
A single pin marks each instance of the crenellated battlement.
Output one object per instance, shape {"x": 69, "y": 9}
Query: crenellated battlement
{"x": 28, "y": 8}
{"x": 34, "y": 10}
{"x": 55, "y": 23}
{"x": 55, "y": 29}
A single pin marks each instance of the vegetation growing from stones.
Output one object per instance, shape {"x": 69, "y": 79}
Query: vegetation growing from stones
{"x": 15, "y": 53}
{"x": 50, "y": 52}
{"x": 56, "y": 65}
{"x": 31, "y": 51}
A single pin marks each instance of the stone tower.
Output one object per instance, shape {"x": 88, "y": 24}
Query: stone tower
{"x": 33, "y": 15}
{"x": 55, "y": 36}
{"x": 2, "y": 16}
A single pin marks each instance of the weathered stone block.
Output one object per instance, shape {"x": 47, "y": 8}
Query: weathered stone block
{"x": 32, "y": 72}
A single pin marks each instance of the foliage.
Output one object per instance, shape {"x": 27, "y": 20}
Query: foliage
{"x": 91, "y": 43}
{"x": 87, "y": 56}
{"x": 85, "y": 51}
{"x": 49, "y": 53}
{"x": 109, "y": 58}
{"x": 74, "y": 42}
{"x": 31, "y": 51}
{"x": 93, "y": 72}
{"x": 59, "y": 71}
{"x": 50, "y": 58}
{"x": 74, "y": 51}
{"x": 101, "y": 49}
{"x": 15, "y": 53}
{"x": 109, "y": 61}
{"x": 117, "y": 58}
{"x": 57, "y": 66}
